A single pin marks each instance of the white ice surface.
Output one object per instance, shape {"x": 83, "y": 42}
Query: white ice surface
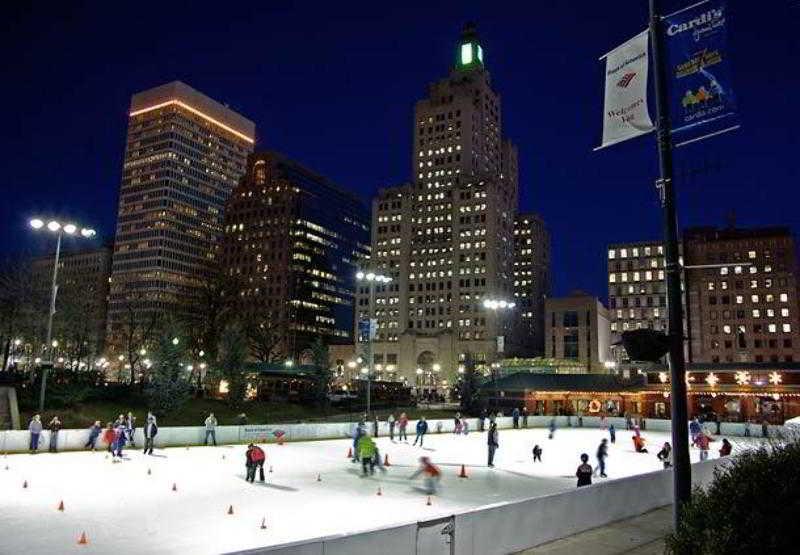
{"x": 124, "y": 510}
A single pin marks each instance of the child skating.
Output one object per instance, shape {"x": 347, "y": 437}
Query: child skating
{"x": 537, "y": 453}
{"x": 432, "y": 475}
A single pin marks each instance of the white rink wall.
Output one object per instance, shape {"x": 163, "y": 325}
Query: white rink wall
{"x": 18, "y": 440}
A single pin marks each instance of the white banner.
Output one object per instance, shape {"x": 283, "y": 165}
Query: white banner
{"x": 625, "y": 112}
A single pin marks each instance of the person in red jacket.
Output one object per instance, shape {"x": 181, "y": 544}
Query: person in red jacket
{"x": 638, "y": 444}
{"x": 726, "y": 448}
{"x": 255, "y": 458}
{"x": 108, "y": 437}
{"x": 431, "y": 472}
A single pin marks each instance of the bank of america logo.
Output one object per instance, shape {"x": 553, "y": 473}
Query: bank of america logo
{"x": 626, "y": 79}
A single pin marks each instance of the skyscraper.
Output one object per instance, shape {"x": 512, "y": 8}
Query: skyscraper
{"x": 294, "y": 242}
{"x": 184, "y": 154}
{"x": 531, "y": 282}
{"x": 447, "y": 238}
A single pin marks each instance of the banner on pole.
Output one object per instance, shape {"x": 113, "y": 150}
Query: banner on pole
{"x": 702, "y": 103}
{"x": 625, "y": 112}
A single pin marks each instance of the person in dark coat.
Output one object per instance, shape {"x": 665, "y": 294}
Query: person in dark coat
{"x": 150, "y": 432}
{"x": 482, "y": 421}
{"x": 492, "y": 442}
{"x": 602, "y": 453}
{"x": 54, "y": 427}
{"x": 525, "y": 416}
{"x": 515, "y": 417}
{"x": 94, "y": 433}
{"x": 537, "y": 453}
{"x": 726, "y": 448}
{"x": 584, "y": 472}
{"x": 422, "y": 429}
{"x": 254, "y": 459}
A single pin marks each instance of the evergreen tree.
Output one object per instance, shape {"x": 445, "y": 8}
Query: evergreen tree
{"x": 470, "y": 403}
{"x": 232, "y": 355}
{"x": 169, "y": 387}
{"x": 322, "y": 377}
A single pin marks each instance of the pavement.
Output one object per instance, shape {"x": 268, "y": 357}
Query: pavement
{"x": 640, "y": 535}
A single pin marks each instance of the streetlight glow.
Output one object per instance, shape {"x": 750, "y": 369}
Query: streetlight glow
{"x": 36, "y": 223}
{"x": 53, "y": 225}
{"x": 360, "y": 275}
{"x": 370, "y": 276}
{"x": 69, "y": 229}
{"x": 86, "y": 232}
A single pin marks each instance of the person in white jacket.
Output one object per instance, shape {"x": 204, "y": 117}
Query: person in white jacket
{"x": 211, "y": 429}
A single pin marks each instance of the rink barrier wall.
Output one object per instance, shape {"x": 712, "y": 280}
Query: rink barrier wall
{"x": 70, "y": 439}
{"x": 511, "y": 527}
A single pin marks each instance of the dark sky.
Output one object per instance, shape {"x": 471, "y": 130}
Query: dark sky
{"x": 333, "y": 84}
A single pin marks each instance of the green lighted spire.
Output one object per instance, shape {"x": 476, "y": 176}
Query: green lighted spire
{"x": 470, "y": 51}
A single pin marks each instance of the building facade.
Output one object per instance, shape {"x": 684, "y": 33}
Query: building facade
{"x": 184, "y": 154}
{"x": 577, "y": 328}
{"x": 742, "y": 300}
{"x": 446, "y": 239}
{"x": 531, "y": 282}
{"x": 294, "y": 242}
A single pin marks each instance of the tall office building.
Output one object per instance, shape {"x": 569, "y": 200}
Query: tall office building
{"x": 294, "y": 241}
{"x": 184, "y": 154}
{"x": 452, "y": 243}
{"x": 576, "y": 328}
{"x": 531, "y": 282}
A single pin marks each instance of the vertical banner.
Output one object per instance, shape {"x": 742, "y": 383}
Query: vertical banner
{"x": 702, "y": 102}
{"x": 625, "y": 112}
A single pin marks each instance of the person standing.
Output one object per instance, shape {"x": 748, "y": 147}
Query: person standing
{"x": 525, "y": 416}
{"x": 358, "y": 432}
{"x": 492, "y": 442}
{"x": 422, "y": 429}
{"x": 119, "y": 441}
{"x": 537, "y": 453}
{"x": 35, "y": 428}
{"x": 375, "y": 426}
{"x": 552, "y": 428}
{"x": 366, "y": 451}
{"x": 584, "y": 472}
{"x": 54, "y": 426}
{"x": 726, "y": 448}
{"x": 703, "y": 443}
{"x": 482, "y": 421}
{"x": 628, "y": 421}
{"x": 457, "y": 424}
{"x": 612, "y": 433}
{"x": 665, "y": 455}
{"x": 747, "y": 428}
{"x": 391, "y": 422}
{"x": 694, "y": 429}
{"x": 602, "y": 453}
{"x": 403, "y": 426}
{"x": 211, "y": 429}
{"x": 94, "y": 433}
{"x": 515, "y": 417}
{"x": 150, "y": 431}
{"x": 254, "y": 459}
{"x": 764, "y": 428}
{"x": 130, "y": 428}
{"x": 580, "y": 419}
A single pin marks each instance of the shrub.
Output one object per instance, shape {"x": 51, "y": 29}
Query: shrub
{"x": 751, "y": 506}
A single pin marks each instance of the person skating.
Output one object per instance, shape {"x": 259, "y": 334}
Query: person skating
{"x": 584, "y": 472}
{"x": 254, "y": 459}
{"x": 119, "y": 441}
{"x": 35, "y": 429}
{"x": 726, "y": 448}
{"x": 602, "y": 454}
{"x": 515, "y": 418}
{"x": 638, "y": 444}
{"x": 694, "y": 430}
{"x": 108, "y": 437}
{"x": 402, "y": 426}
{"x": 358, "y": 432}
{"x": 431, "y": 472}
{"x": 552, "y": 428}
{"x": 366, "y": 452}
{"x": 390, "y": 420}
{"x": 465, "y": 426}
{"x": 665, "y": 455}
{"x": 422, "y": 429}
{"x": 764, "y": 428}
{"x": 747, "y": 428}
{"x": 130, "y": 428}
{"x": 375, "y": 426}
{"x": 525, "y": 416}
{"x": 612, "y": 433}
{"x": 457, "y": 424}
{"x": 703, "y": 442}
{"x": 211, "y": 429}
{"x": 482, "y": 421}
{"x": 54, "y": 426}
{"x": 94, "y": 433}
{"x": 537, "y": 453}
{"x": 150, "y": 431}
{"x": 492, "y": 442}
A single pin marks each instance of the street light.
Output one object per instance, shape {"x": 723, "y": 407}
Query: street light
{"x": 372, "y": 279}
{"x": 54, "y": 226}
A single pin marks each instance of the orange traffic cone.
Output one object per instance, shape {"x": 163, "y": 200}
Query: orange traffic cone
{"x": 61, "y": 506}
{"x": 174, "y": 486}
{"x": 386, "y": 460}
{"x": 429, "y": 501}
{"x": 379, "y": 491}
{"x": 264, "y": 523}
{"x": 83, "y": 540}
{"x": 25, "y": 484}
{"x": 319, "y": 477}
{"x": 350, "y": 453}
{"x": 230, "y": 510}
{"x": 463, "y": 473}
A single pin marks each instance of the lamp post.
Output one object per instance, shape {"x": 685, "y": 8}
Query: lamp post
{"x": 500, "y": 307}
{"x": 59, "y": 229}
{"x": 372, "y": 279}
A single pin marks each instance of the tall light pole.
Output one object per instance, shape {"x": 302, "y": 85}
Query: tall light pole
{"x": 500, "y": 307}
{"x": 373, "y": 279}
{"x": 54, "y": 226}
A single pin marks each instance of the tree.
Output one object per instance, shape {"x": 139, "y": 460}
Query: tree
{"x": 19, "y": 317}
{"x": 468, "y": 390}
{"x": 232, "y": 355}
{"x": 169, "y": 387}
{"x": 137, "y": 330}
{"x": 265, "y": 339}
{"x": 322, "y": 373}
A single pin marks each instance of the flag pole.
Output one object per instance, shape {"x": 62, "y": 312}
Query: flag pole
{"x": 682, "y": 471}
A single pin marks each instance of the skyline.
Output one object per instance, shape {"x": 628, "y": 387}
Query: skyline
{"x": 360, "y": 139}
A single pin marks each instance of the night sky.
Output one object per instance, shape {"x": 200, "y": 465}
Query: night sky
{"x": 333, "y": 85}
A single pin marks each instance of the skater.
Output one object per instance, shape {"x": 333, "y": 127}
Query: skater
{"x": 130, "y": 428}
{"x": 604, "y": 423}
{"x": 254, "y": 459}
{"x": 612, "y": 432}
{"x": 358, "y": 432}
{"x": 492, "y": 442}
{"x": 150, "y": 431}
{"x": 211, "y": 429}
{"x": 422, "y": 429}
{"x": 726, "y": 448}
{"x": 403, "y": 425}
{"x": 432, "y": 475}
{"x": 602, "y": 454}
{"x": 580, "y": 419}
{"x": 764, "y": 428}
{"x": 525, "y": 416}
{"x": 465, "y": 426}
{"x": 584, "y": 472}
{"x": 391, "y": 422}
{"x": 482, "y": 421}
{"x": 718, "y": 424}
{"x": 119, "y": 441}
{"x": 366, "y": 452}
{"x": 515, "y": 418}
{"x": 375, "y": 424}
{"x": 703, "y": 442}
{"x": 94, "y": 433}
{"x": 638, "y": 444}
{"x": 54, "y": 426}
{"x": 537, "y": 453}
{"x": 108, "y": 437}
{"x": 628, "y": 422}
{"x": 747, "y": 428}
{"x": 552, "y": 428}
{"x": 694, "y": 430}
{"x": 665, "y": 455}
{"x": 457, "y": 424}
{"x": 637, "y": 431}
{"x": 35, "y": 428}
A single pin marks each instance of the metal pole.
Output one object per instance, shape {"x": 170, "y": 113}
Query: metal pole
{"x": 370, "y": 357}
{"x": 46, "y": 364}
{"x": 682, "y": 471}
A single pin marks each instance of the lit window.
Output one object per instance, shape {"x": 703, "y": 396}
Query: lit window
{"x": 756, "y": 313}
{"x": 772, "y": 328}
{"x": 710, "y": 285}
{"x": 466, "y": 53}
{"x": 726, "y": 329}
{"x": 753, "y": 270}
{"x": 623, "y": 253}
{"x": 785, "y": 312}
{"x": 767, "y": 268}
{"x": 739, "y": 299}
{"x": 723, "y": 271}
{"x": 784, "y": 298}
{"x": 634, "y": 252}
{"x": 751, "y": 255}
{"x": 787, "y": 328}
{"x": 754, "y": 298}
{"x": 612, "y": 253}
{"x": 612, "y": 278}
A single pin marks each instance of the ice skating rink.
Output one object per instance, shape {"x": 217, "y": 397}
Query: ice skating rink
{"x": 125, "y": 510}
